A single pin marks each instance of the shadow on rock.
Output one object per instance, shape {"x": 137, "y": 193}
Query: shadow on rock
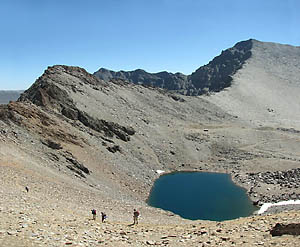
{"x": 289, "y": 229}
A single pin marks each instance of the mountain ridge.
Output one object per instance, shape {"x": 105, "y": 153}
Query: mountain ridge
{"x": 204, "y": 79}
{"x": 213, "y": 77}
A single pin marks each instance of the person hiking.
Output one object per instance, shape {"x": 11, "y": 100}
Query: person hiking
{"x": 103, "y": 216}
{"x": 94, "y": 213}
{"x": 136, "y": 215}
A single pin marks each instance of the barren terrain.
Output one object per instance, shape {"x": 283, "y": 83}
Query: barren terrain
{"x": 79, "y": 143}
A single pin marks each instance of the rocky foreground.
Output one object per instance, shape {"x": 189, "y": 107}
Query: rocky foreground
{"x": 74, "y": 231}
{"x": 52, "y": 214}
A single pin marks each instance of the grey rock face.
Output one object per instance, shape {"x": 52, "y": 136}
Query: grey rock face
{"x": 217, "y": 75}
{"x": 163, "y": 79}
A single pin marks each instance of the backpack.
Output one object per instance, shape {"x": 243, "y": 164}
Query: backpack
{"x": 136, "y": 213}
{"x": 93, "y": 211}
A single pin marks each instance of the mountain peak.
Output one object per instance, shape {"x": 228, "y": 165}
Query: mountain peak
{"x": 47, "y": 89}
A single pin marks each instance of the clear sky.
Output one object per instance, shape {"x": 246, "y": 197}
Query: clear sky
{"x": 155, "y": 35}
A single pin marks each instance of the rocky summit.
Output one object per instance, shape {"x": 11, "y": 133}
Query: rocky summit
{"x": 74, "y": 142}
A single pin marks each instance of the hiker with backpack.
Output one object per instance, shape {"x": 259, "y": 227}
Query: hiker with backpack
{"x": 94, "y": 213}
{"x": 136, "y": 215}
{"x": 103, "y": 216}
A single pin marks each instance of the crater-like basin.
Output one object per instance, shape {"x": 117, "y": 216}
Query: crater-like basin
{"x": 201, "y": 196}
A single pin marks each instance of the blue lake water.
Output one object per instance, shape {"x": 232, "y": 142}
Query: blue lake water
{"x": 201, "y": 195}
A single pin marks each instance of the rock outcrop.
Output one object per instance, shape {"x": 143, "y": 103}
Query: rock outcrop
{"x": 50, "y": 91}
{"x": 217, "y": 75}
{"x": 285, "y": 229}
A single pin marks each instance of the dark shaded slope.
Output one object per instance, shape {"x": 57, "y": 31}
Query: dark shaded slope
{"x": 217, "y": 75}
{"x": 163, "y": 79}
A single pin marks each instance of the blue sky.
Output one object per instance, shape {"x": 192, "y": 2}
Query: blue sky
{"x": 156, "y": 35}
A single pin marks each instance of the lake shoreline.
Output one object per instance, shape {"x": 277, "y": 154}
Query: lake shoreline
{"x": 259, "y": 194}
{"x": 201, "y": 196}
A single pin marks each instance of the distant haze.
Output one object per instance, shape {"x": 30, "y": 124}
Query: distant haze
{"x": 9, "y": 95}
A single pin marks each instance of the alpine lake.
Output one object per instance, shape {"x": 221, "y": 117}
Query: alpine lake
{"x": 201, "y": 196}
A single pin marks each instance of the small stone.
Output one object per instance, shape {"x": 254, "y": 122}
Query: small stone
{"x": 225, "y": 238}
{"x": 150, "y": 242}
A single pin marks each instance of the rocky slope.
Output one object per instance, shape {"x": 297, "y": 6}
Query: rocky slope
{"x": 78, "y": 142}
{"x": 265, "y": 91}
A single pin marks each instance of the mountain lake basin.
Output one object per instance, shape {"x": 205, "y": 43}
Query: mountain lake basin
{"x": 201, "y": 196}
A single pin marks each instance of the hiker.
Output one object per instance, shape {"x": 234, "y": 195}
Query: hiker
{"x": 103, "y": 216}
{"x": 94, "y": 214}
{"x": 135, "y": 216}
